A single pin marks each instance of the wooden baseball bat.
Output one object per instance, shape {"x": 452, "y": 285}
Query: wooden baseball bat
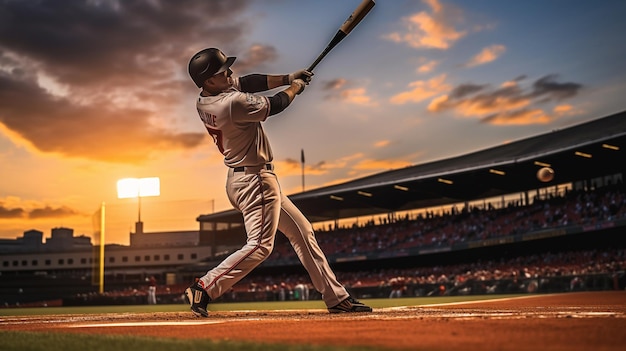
{"x": 355, "y": 18}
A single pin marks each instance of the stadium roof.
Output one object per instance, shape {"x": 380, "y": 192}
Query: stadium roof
{"x": 582, "y": 152}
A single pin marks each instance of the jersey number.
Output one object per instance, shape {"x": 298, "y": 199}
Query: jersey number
{"x": 217, "y": 138}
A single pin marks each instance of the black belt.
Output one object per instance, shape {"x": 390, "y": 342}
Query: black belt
{"x": 267, "y": 166}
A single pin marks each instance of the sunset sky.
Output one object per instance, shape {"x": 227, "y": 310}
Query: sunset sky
{"x": 93, "y": 91}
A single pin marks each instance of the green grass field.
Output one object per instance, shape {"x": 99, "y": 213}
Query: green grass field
{"x": 41, "y": 341}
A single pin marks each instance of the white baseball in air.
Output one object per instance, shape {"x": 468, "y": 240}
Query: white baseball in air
{"x": 545, "y": 174}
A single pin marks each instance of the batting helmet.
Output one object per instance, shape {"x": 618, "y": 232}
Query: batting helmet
{"x": 207, "y": 63}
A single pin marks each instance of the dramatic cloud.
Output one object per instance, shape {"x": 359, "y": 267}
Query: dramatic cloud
{"x": 518, "y": 117}
{"x": 427, "y": 66}
{"x": 356, "y": 96}
{"x": 74, "y": 82}
{"x": 335, "y": 84}
{"x": 422, "y": 90}
{"x": 8, "y": 213}
{"x": 96, "y": 131}
{"x": 510, "y": 103}
{"x": 563, "y": 109}
{"x": 254, "y": 58}
{"x": 487, "y": 55}
{"x": 49, "y": 212}
{"x": 36, "y": 213}
{"x": 290, "y": 167}
{"x": 435, "y": 29}
{"x": 346, "y": 91}
{"x": 382, "y": 143}
{"x": 380, "y": 165}
{"x": 547, "y": 88}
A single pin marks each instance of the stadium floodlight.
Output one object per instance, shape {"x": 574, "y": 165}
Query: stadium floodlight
{"x": 138, "y": 187}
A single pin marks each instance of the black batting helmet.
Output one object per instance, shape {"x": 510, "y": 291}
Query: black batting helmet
{"x": 207, "y": 63}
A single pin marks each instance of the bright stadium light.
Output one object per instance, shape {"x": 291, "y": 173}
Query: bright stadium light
{"x": 138, "y": 187}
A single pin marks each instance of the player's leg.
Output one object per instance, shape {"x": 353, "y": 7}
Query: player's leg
{"x": 257, "y": 198}
{"x": 299, "y": 231}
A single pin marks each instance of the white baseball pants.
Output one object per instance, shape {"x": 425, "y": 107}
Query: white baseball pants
{"x": 256, "y": 193}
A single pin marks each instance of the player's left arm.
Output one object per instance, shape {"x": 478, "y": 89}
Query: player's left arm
{"x": 254, "y": 83}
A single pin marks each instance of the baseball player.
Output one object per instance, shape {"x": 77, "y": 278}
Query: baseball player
{"x": 232, "y": 114}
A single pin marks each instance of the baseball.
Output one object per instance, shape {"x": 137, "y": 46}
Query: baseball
{"x": 545, "y": 174}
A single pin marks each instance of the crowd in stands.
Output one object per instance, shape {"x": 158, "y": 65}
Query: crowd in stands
{"x": 468, "y": 224}
{"x": 471, "y": 224}
{"x": 517, "y": 274}
{"x": 564, "y": 271}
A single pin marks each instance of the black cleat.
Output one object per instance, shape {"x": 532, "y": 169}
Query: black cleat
{"x": 198, "y": 299}
{"x": 350, "y": 305}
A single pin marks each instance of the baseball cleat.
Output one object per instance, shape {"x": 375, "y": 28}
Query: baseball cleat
{"x": 350, "y": 305}
{"x": 198, "y": 299}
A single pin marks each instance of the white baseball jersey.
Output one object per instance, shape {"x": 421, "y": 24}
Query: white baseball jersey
{"x": 233, "y": 119}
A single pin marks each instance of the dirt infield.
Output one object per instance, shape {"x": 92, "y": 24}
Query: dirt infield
{"x": 573, "y": 321}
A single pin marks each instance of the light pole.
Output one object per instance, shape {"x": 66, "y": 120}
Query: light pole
{"x": 138, "y": 187}
{"x": 302, "y": 163}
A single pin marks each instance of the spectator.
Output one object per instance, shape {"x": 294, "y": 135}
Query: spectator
{"x": 152, "y": 285}
{"x": 398, "y": 287}
{"x": 301, "y": 291}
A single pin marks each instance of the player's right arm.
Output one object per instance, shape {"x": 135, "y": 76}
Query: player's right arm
{"x": 281, "y": 100}
{"x": 278, "y": 102}
{"x": 247, "y": 107}
{"x": 254, "y": 83}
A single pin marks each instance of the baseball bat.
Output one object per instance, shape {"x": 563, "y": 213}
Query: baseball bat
{"x": 355, "y": 18}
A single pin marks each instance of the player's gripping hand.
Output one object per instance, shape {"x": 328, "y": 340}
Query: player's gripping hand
{"x": 298, "y": 86}
{"x": 301, "y": 74}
